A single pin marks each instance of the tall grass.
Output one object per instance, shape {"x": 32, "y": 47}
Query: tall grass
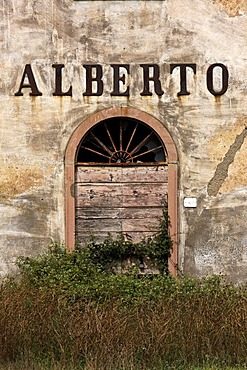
{"x": 66, "y": 311}
{"x": 195, "y": 324}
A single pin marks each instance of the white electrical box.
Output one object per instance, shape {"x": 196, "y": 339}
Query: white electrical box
{"x": 190, "y": 202}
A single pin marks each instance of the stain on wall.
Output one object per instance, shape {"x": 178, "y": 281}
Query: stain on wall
{"x": 17, "y": 179}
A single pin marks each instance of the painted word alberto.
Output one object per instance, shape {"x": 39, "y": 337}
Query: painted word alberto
{"x": 94, "y": 85}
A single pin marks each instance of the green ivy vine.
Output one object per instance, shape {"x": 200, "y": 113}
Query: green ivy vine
{"x": 156, "y": 248}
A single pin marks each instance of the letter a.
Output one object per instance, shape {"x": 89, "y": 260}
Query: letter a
{"x": 28, "y": 73}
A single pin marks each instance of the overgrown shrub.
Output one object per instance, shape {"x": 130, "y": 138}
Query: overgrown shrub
{"x": 80, "y": 275}
{"x": 89, "y": 272}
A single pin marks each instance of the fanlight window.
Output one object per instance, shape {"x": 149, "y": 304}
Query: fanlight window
{"x": 121, "y": 140}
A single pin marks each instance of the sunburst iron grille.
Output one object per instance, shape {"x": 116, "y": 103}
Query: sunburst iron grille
{"x": 121, "y": 140}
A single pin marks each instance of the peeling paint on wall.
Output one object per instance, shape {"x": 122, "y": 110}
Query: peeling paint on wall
{"x": 233, "y": 7}
{"x": 221, "y": 172}
{"x": 236, "y": 153}
{"x": 237, "y": 171}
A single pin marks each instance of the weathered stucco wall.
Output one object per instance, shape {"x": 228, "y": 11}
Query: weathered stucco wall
{"x": 209, "y": 131}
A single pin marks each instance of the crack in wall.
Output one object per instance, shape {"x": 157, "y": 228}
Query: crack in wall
{"x": 221, "y": 171}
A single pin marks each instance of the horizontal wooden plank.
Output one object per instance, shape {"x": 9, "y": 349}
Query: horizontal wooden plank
{"x": 84, "y": 238}
{"x": 122, "y": 174}
{"x": 120, "y": 213}
{"x": 144, "y": 195}
{"x": 139, "y": 213}
{"x": 117, "y": 225}
{"x": 92, "y": 225}
{"x": 98, "y": 213}
{"x": 132, "y": 195}
{"x": 141, "y": 225}
{"x": 103, "y": 195}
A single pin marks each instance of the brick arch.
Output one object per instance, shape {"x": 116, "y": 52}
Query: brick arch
{"x": 172, "y": 157}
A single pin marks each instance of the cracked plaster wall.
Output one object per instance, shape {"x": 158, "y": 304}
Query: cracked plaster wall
{"x": 209, "y": 132}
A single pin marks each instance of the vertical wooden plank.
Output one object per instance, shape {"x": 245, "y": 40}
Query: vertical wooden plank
{"x": 172, "y": 211}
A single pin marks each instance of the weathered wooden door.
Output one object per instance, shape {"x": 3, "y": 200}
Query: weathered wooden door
{"x": 121, "y": 181}
{"x": 113, "y": 199}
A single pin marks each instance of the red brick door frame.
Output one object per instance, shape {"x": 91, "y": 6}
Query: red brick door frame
{"x": 70, "y": 156}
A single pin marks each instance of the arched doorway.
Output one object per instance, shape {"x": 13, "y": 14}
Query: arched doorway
{"x": 120, "y": 167}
